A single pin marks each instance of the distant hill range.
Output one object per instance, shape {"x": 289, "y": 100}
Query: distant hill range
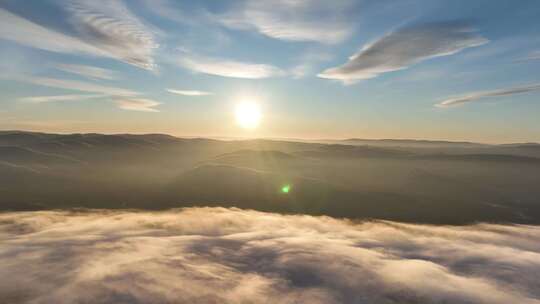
{"x": 406, "y": 180}
{"x": 411, "y": 143}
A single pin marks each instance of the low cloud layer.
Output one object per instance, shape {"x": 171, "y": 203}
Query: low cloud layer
{"x": 216, "y": 255}
{"x": 476, "y": 96}
{"x": 229, "y": 68}
{"x": 405, "y": 47}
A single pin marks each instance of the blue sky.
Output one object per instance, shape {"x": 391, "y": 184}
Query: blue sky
{"x": 454, "y": 70}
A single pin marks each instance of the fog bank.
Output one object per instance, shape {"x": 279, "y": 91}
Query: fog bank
{"x": 218, "y": 255}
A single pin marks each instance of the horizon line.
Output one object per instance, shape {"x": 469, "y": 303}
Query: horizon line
{"x": 294, "y": 139}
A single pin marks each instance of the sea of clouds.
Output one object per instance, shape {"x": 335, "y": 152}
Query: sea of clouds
{"x": 218, "y": 255}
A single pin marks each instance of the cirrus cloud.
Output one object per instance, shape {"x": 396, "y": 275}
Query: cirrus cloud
{"x": 124, "y": 99}
{"x": 229, "y": 68}
{"x": 112, "y": 27}
{"x": 405, "y": 47}
{"x": 76, "y": 85}
{"x": 312, "y": 20}
{"x": 87, "y": 71}
{"x": 137, "y": 104}
{"x": 25, "y": 32}
{"x": 189, "y": 92}
{"x": 475, "y": 96}
{"x": 100, "y": 28}
{"x": 55, "y": 98}
{"x": 217, "y": 255}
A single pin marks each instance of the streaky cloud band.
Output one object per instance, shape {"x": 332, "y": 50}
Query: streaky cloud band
{"x": 189, "y": 92}
{"x": 475, "y": 96}
{"x": 55, "y": 98}
{"x": 91, "y": 72}
{"x": 228, "y": 68}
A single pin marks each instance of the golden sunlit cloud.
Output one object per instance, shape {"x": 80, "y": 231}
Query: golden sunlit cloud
{"x": 248, "y": 115}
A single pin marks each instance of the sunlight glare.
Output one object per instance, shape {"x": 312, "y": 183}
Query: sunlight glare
{"x": 248, "y": 115}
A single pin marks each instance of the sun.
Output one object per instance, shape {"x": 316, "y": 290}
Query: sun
{"x": 248, "y": 115}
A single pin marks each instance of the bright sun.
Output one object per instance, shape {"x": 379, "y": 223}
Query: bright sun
{"x": 248, "y": 115}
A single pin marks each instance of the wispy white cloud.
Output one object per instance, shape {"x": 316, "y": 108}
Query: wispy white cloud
{"x": 228, "y": 68}
{"x": 238, "y": 256}
{"x": 176, "y": 11}
{"x": 137, "y": 104}
{"x": 123, "y": 98}
{"x": 25, "y": 32}
{"x": 189, "y": 92}
{"x": 404, "y": 47}
{"x": 293, "y": 20}
{"x": 103, "y": 28}
{"x": 77, "y": 86}
{"x": 88, "y": 71}
{"x": 55, "y": 98}
{"x": 535, "y": 55}
{"x": 308, "y": 62}
{"x": 475, "y": 96}
{"x": 110, "y": 26}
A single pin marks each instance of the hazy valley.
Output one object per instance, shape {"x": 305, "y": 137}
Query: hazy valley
{"x": 415, "y": 181}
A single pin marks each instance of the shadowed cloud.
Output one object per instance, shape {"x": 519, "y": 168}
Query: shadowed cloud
{"x": 217, "y": 255}
{"x": 405, "y": 47}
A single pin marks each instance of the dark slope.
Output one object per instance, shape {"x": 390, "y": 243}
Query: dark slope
{"x": 350, "y": 151}
{"x": 155, "y": 171}
{"x": 220, "y": 185}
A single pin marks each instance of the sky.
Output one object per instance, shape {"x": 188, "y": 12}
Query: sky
{"x": 315, "y": 69}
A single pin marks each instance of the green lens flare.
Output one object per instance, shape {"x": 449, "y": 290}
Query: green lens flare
{"x": 285, "y": 189}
